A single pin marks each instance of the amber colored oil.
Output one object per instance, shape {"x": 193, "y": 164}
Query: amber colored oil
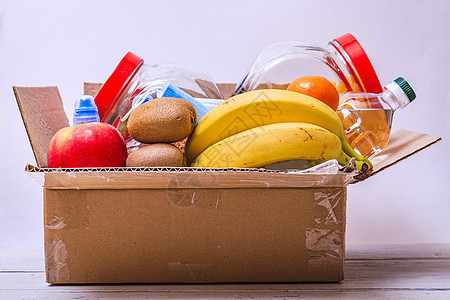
{"x": 367, "y": 130}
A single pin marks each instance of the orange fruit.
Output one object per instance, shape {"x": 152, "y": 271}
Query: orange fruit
{"x": 317, "y": 87}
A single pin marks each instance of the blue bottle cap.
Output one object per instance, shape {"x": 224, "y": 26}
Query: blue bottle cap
{"x": 85, "y": 105}
{"x": 85, "y": 111}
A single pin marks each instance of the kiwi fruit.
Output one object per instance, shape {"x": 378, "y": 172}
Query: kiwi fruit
{"x": 180, "y": 145}
{"x": 162, "y": 120}
{"x": 156, "y": 155}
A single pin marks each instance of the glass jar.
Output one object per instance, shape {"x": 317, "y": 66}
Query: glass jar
{"x": 133, "y": 82}
{"x": 343, "y": 62}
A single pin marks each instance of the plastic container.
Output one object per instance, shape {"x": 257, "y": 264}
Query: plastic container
{"x": 343, "y": 62}
{"x": 367, "y": 117}
{"x": 170, "y": 90}
{"x": 85, "y": 111}
{"x": 133, "y": 81}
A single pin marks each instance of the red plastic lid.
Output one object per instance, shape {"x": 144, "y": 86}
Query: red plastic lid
{"x": 361, "y": 63}
{"x": 111, "y": 91}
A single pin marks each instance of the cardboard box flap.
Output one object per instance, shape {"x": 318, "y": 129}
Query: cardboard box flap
{"x": 91, "y": 88}
{"x": 402, "y": 144}
{"x": 43, "y": 115}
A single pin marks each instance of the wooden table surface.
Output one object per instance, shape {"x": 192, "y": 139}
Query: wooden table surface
{"x": 372, "y": 272}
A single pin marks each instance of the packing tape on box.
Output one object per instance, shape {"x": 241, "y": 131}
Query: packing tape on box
{"x": 56, "y": 223}
{"x": 325, "y": 249}
{"x": 327, "y": 202}
{"x": 72, "y": 213}
{"x": 325, "y": 245}
{"x": 188, "y": 190}
{"x": 163, "y": 177}
{"x": 55, "y": 257}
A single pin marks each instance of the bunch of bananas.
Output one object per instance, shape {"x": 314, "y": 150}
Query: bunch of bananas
{"x": 261, "y": 127}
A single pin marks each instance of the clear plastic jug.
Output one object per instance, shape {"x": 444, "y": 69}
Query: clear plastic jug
{"x": 343, "y": 62}
{"x": 367, "y": 117}
{"x": 133, "y": 82}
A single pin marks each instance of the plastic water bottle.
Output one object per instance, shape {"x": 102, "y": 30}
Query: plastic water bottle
{"x": 85, "y": 111}
{"x": 367, "y": 118}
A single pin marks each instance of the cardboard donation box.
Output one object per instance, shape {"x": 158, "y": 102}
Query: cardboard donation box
{"x": 188, "y": 225}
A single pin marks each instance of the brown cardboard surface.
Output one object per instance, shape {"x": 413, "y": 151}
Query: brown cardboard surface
{"x": 43, "y": 115}
{"x": 226, "y": 235}
{"x": 402, "y": 144}
{"x": 91, "y": 88}
{"x": 181, "y": 178}
{"x": 226, "y": 89}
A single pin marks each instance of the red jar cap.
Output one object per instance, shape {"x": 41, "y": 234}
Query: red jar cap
{"x": 111, "y": 91}
{"x": 361, "y": 63}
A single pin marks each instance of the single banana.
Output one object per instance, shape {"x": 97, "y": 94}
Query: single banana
{"x": 262, "y": 107}
{"x": 271, "y": 143}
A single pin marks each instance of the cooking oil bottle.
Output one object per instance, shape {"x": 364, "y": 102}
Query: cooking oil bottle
{"x": 367, "y": 118}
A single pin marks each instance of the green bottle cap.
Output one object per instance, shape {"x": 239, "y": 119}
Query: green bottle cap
{"x": 406, "y": 88}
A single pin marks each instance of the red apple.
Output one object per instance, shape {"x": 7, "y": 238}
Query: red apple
{"x": 90, "y": 145}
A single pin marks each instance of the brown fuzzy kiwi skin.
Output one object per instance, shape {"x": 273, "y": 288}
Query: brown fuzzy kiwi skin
{"x": 162, "y": 120}
{"x": 156, "y": 155}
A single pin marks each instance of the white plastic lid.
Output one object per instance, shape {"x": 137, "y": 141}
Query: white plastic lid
{"x": 402, "y": 91}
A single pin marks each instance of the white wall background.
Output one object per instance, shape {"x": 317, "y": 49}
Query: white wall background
{"x": 64, "y": 43}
